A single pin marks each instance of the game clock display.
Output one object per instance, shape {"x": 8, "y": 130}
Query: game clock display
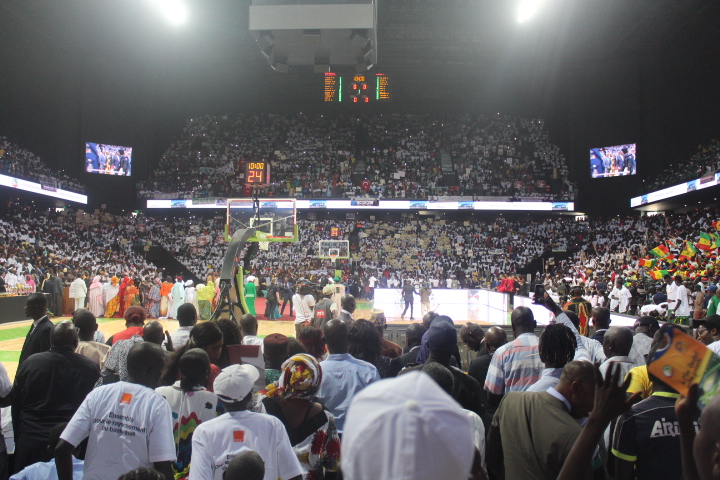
{"x": 257, "y": 173}
{"x": 359, "y": 88}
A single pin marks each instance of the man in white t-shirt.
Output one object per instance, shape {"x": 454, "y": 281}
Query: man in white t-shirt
{"x": 372, "y": 281}
{"x": 217, "y": 441}
{"x": 680, "y": 303}
{"x": 128, "y": 424}
{"x": 303, "y": 303}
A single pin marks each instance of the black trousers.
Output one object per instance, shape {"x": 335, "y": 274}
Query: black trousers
{"x": 282, "y": 309}
{"x": 408, "y": 304}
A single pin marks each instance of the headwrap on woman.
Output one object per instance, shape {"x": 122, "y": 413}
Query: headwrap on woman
{"x": 95, "y": 282}
{"x": 300, "y": 378}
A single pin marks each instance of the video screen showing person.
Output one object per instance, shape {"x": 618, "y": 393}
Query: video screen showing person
{"x": 614, "y": 161}
{"x": 108, "y": 159}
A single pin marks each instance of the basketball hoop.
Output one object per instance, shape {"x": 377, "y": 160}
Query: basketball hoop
{"x": 333, "y": 257}
{"x": 264, "y": 246}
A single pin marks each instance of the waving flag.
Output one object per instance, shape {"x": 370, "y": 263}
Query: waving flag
{"x": 658, "y": 274}
{"x": 716, "y": 225}
{"x": 660, "y": 251}
{"x": 688, "y": 252}
{"x": 706, "y": 241}
{"x": 646, "y": 263}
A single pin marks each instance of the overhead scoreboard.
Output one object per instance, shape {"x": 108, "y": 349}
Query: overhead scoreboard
{"x": 360, "y": 88}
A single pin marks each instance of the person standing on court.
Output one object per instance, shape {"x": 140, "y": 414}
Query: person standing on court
{"x": 49, "y": 388}
{"x": 38, "y": 338}
{"x": 79, "y": 290}
{"x": 408, "y": 293}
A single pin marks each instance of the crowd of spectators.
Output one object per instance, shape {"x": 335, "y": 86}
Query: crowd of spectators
{"x": 705, "y": 161}
{"x": 20, "y": 163}
{"x": 390, "y": 155}
{"x": 500, "y": 155}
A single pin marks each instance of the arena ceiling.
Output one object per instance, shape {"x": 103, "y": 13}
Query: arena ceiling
{"x": 434, "y": 48}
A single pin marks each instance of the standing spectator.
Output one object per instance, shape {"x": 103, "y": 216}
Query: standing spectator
{"x": 617, "y": 344}
{"x": 86, "y": 326}
{"x": 178, "y": 297}
{"x": 49, "y": 388}
{"x": 57, "y": 292}
{"x": 347, "y": 308}
{"x": 601, "y": 322}
{"x": 408, "y": 293}
{"x": 5, "y": 400}
{"x": 557, "y": 348}
{"x": 145, "y": 431}
{"x": 516, "y": 365}
{"x": 343, "y": 375}
{"x": 478, "y": 368}
{"x": 250, "y": 294}
{"x": 187, "y": 318}
{"x": 643, "y": 445}
{"x": 191, "y": 405}
{"x": 645, "y": 328}
{"x": 325, "y": 309}
{"x": 205, "y": 295}
{"x": 364, "y": 344}
{"x": 413, "y": 338}
{"x": 581, "y": 308}
{"x": 425, "y": 292}
{"x": 302, "y": 304}
{"x": 79, "y": 290}
{"x": 287, "y": 294}
{"x": 212, "y": 448}
{"x": 680, "y": 303}
{"x": 389, "y": 349}
{"x": 534, "y": 431}
{"x": 95, "y": 297}
{"x": 38, "y": 338}
{"x": 442, "y": 338}
{"x": 273, "y": 300}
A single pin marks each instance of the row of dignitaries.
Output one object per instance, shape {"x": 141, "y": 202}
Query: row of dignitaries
{"x": 534, "y": 407}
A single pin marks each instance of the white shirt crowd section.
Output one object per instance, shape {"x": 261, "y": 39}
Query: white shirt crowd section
{"x": 20, "y": 163}
{"x": 432, "y": 248}
{"x": 391, "y": 155}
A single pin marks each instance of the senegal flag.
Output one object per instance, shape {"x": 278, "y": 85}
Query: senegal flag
{"x": 658, "y": 274}
{"x": 706, "y": 241}
{"x": 688, "y": 252}
{"x": 716, "y": 225}
{"x": 646, "y": 263}
{"x": 660, "y": 251}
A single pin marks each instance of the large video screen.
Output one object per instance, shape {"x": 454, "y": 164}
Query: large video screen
{"x": 108, "y": 159}
{"x": 617, "y": 161}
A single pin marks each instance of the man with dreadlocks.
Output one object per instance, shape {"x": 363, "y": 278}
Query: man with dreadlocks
{"x": 557, "y": 348}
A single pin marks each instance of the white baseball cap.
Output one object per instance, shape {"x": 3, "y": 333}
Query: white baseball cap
{"x": 406, "y": 428}
{"x": 235, "y": 382}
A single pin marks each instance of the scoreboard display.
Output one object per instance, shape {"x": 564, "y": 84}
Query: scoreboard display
{"x": 359, "y": 88}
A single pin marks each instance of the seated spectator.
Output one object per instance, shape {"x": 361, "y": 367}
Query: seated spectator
{"x": 191, "y": 405}
{"x": 389, "y": 349}
{"x": 265, "y": 434}
{"x": 311, "y": 428}
{"x": 142, "y": 419}
{"x": 246, "y": 465}
{"x": 47, "y": 470}
{"x": 134, "y": 322}
{"x": 231, "y": 336}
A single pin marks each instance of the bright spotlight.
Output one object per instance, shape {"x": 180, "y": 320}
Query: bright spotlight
{"x": 174, "y": 11}
{"x": 527, "y": 9}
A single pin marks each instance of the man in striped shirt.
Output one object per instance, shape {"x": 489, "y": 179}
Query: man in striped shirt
{"x": 516, "y": 365}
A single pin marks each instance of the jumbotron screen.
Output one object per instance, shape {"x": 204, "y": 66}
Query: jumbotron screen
{"x": 358, "y": 88}
{"x": 108, "y": 159}
{"x": 617, "y": 161}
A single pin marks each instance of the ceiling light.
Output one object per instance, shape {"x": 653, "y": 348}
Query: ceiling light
{"x": 527, "y": 9}
{"x": 174, "y": 11}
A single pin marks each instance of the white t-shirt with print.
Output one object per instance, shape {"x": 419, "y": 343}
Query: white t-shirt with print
{"x": 217, "y": 441}
{"x": 129, "y": 425}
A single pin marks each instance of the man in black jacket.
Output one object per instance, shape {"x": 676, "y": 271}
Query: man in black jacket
{"x": 49, "y": 388}
{"x": 38, "y": 338}
{"x": 413, "y": 338}
{"x": 58, "y": 288}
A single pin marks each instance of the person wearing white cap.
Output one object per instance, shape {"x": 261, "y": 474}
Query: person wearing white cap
{"x": 408, "y": 428}
{"x": 217, "y": 441}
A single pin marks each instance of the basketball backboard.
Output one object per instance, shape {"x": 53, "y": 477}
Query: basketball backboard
{"x": 274, "y": 221}
{"x": 338, "y": 249}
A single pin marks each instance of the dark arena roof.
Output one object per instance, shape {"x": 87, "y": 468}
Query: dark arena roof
{"x": 598, "y": 72}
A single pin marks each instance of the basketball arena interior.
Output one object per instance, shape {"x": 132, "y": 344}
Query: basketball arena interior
{"x": 393, "y": 159}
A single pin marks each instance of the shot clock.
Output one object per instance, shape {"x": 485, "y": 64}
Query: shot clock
{"x": 257, "y": 173}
